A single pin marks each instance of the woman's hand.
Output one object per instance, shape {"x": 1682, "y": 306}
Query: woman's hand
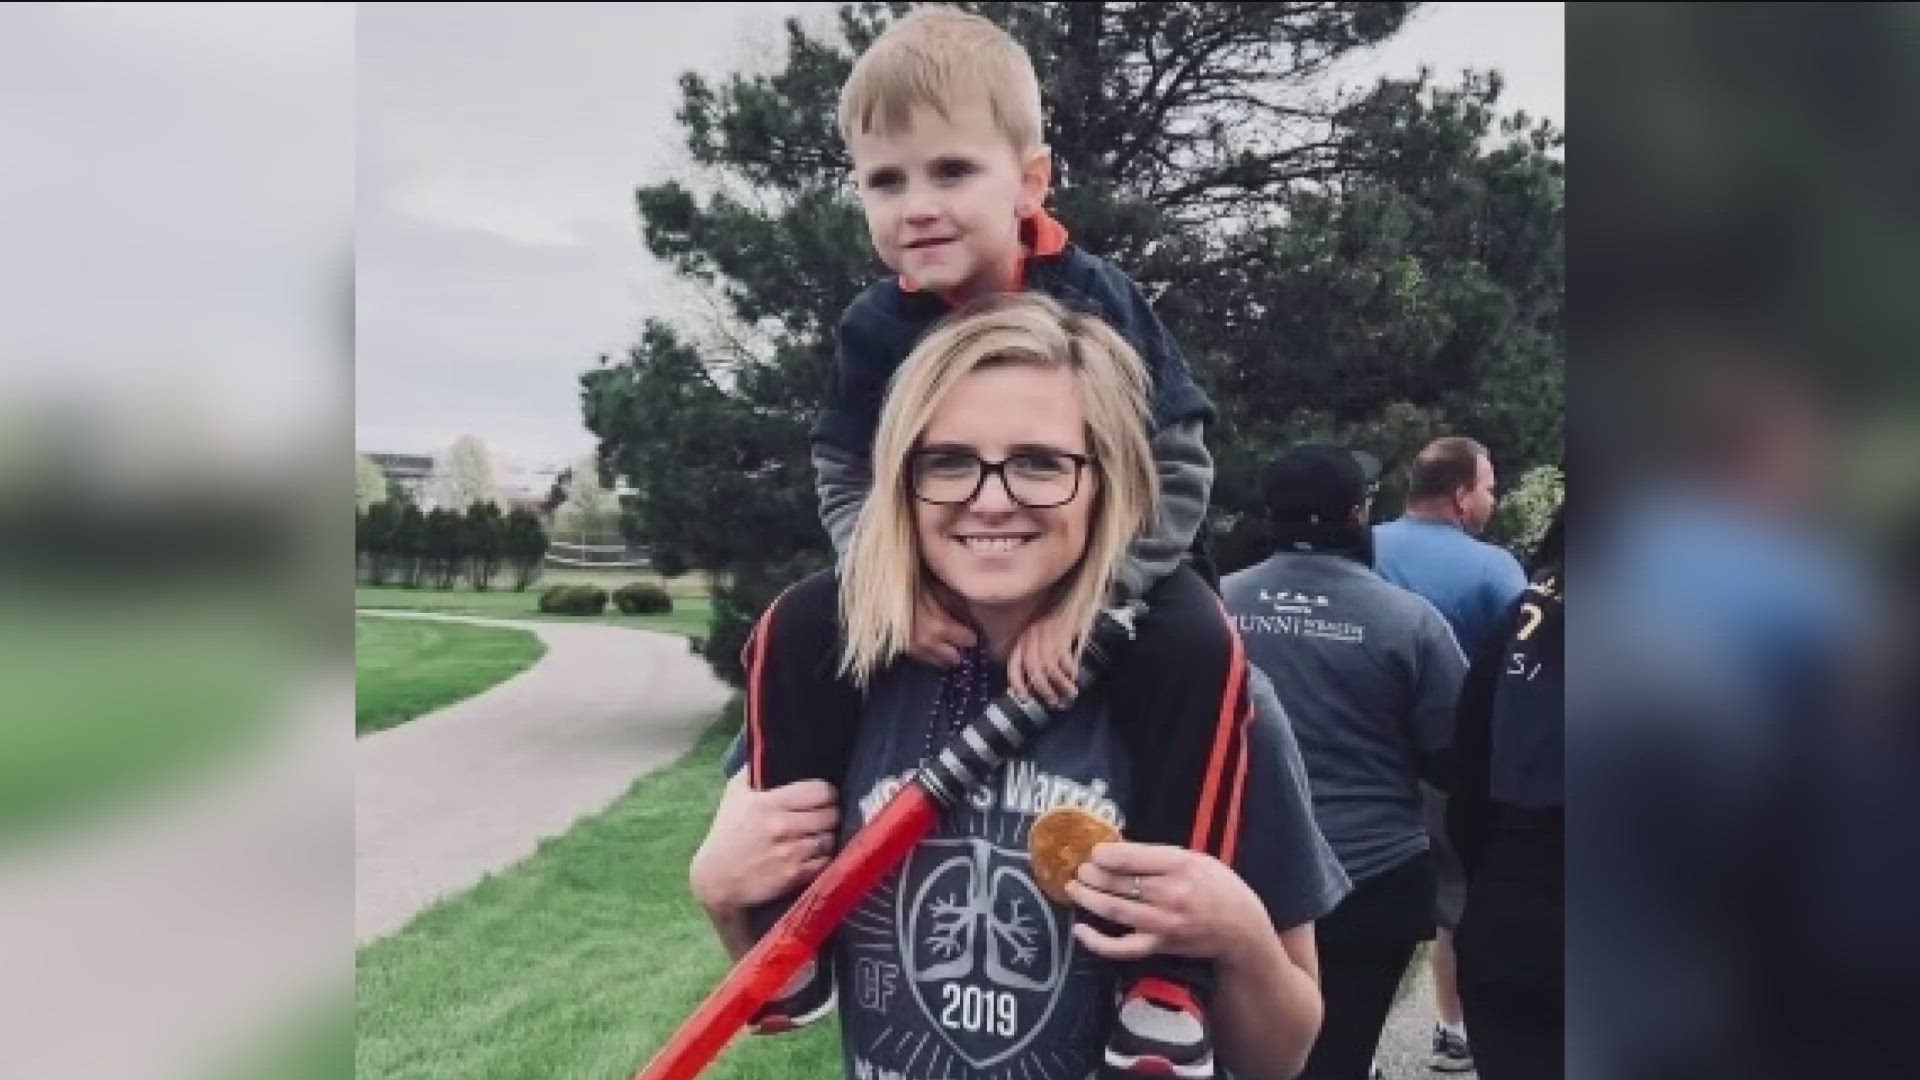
{"x": 1178, "y": 902}
{"x": 764, "y": 844}
{"x": 1266, "y": 1009}
{"x": 1041, "y": 666}
{"x": 937, "y": 636}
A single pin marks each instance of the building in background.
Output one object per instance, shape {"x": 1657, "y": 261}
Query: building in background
{"x": 412, "y": 473}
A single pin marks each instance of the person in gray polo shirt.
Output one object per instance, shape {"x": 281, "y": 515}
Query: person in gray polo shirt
{"x": 1369, "y": 673}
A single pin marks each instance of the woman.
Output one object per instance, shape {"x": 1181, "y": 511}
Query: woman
{"x": 1011, "y": 470}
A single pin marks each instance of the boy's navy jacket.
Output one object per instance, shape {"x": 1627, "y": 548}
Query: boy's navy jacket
{"x": 881, "y": 327}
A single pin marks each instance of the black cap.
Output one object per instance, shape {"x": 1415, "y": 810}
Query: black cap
{"x": 1319, "y": 482}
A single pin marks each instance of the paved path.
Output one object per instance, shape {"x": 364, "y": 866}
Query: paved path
{"x": 1406, "y": 1043}
{"x": 444, "y": 800}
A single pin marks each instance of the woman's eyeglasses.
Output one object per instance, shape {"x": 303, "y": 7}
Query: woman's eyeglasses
{"x": 1036, "y": 479}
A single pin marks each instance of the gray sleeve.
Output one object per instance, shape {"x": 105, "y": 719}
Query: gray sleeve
{"x": 1439, "y": 668}
{"x": 1185, "y": 468}
{"x": 842, "y": 480}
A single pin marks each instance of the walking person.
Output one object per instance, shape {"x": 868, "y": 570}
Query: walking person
{"x": 1507, "y": 820}
{"x": 1434, "y": 549}
{"x": 1369, "y": 674}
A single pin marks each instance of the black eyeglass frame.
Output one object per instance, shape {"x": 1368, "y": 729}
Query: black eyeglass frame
{"x": 991, "y": 468}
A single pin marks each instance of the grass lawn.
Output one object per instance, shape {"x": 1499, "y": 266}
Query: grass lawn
{"x": 404, "y": 668}
{"x": 110, "y": 701}
{"x": 689, "y": 617}
{"x": 314, "y": 1043}
{"x": 577, "y": 963}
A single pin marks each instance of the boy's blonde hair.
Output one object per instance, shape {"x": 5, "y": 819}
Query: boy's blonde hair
{"x": 938, "y": 57}
{"x": 885, "y": 575}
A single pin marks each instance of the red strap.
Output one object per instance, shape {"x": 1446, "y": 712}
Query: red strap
{"x": 1227, "y": 729}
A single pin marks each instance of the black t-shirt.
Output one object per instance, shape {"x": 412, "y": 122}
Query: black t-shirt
{"x": 1528, "y": 763}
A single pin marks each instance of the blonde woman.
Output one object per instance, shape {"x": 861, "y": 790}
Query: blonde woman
{"x": 1011, "y": 472}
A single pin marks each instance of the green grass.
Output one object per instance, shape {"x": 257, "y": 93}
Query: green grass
{"x": 112, "y": 700}
{"x": 691, "y": 609}
{"x": 311, "y": 1043}
{"x": 405, "y": 668}
{"x": 577, "y": 963}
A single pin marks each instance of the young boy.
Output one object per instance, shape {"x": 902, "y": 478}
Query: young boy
{"x": 943, "y": 121}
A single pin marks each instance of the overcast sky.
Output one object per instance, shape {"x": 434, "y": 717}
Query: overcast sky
{"x": 499, "y": 147}
{"x": 176, "y": 209}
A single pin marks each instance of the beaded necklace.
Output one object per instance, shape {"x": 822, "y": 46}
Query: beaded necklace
{"x": 965, "y": 692}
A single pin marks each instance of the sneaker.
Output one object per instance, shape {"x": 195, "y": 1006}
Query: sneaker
{"x": 808, "y": 997}
{"x": 1162, "y": 1031}
{"x": 1451, "y": 1054}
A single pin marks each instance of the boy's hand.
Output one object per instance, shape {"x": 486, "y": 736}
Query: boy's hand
{"x": 937, "y": 636}
{"x": 1042, "y": 664}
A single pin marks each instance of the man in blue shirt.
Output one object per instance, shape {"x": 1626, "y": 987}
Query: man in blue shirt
{"x": 1432, "y": 550}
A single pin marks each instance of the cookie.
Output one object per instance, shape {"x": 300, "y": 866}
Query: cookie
{"x": 1060, "y": 840}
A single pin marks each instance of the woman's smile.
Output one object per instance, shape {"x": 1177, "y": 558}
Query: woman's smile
{"x": 995, "y": 543}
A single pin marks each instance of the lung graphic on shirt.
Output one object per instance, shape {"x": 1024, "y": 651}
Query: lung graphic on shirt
{"x": 985, "y": 954}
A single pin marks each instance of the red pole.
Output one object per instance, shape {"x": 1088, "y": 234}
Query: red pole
{"x": 870, "y": 856}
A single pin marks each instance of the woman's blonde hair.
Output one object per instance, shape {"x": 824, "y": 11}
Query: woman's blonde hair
{"x": 939, "y": 58}
{"x": 885, "y": 575}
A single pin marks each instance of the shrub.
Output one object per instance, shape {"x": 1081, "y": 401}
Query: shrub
{"x": 1528, "y": 507}
{"x": 642, "y": 598}
{"x": 573, "y": 600}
